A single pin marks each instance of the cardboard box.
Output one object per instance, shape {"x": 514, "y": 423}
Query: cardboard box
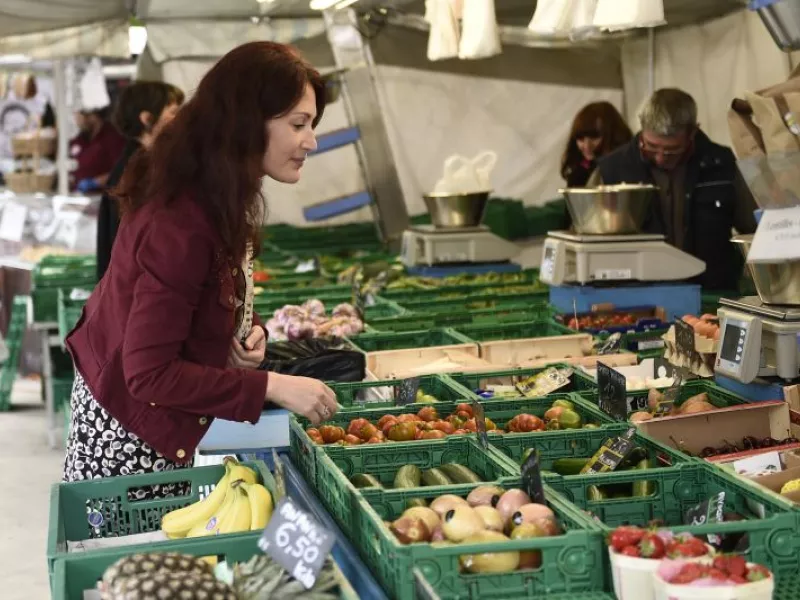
{"x": 695, "y": 432}
{"x": 776, "y": 481}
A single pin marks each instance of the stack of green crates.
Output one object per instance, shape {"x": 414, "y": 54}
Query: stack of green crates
{"x": 13, "y": 341}
{"x": 56, "y": 272}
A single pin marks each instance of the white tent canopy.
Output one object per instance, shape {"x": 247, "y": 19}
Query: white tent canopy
{"x": 519, "y": 104}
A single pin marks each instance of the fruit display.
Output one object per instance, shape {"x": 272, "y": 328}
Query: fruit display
{"x": 237, "y": 503}
{"x": 411, "y": 476}
{"x": 176, "y": 576}
{"x": 428, "y": 424}
{"x": 537, "y": 385}
{"x": 746, "y": 444}
{"x": 310, "y": 320}
{"x": 488, "y": 514}
{"x": 699, "y": 403}
{"x": 706, "y": 326}
{"x": 655, "y": 544}
{"x": 722, "y": 571}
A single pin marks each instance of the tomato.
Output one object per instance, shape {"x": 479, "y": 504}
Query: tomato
{"x": 386, "y": 419}
{"x": 525, "y": 423}
{"x": 315, "y": 435}
{"x": 355, "y": 426}
{"x": 408, "y": 418}
{"x": 260, "y": 276}
{"x": 465, "y": 407}
{"x": 402, "y": 432}
{"x": 471, "y": 425}
{"x": 352, "y": 440}
{"x": 428, "y": 414}
{"x": 331, "y": 434}
{"x": 433, "y": 435}
{"x": 444, "y": 426}
{"x": 368, "y": 431}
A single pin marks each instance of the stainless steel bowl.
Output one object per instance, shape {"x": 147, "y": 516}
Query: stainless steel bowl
{"x": 608, "y": 211}
{"x": 776, "y": 283}
{"x": 455, "y": 211}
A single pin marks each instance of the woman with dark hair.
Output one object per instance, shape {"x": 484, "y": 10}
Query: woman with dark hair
{"x": 168, "y": 341}
{"x": 596, "y": 130}
{"x": 142, "y": 111}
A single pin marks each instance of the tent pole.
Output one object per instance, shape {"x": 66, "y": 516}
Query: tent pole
{"x": 651, "y": 59}
{"x": 62, "y": 116}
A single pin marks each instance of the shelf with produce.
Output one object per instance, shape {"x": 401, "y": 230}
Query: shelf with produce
{"x": 455, "y": 292}
{"x": 770, "y": 522}
{"x": 479, "y": 382}
{"x": 572, "y": 563}
{"x": 363, "y": 395}
{"x": 406, "y": 287}
{"x": 485, "y": 332}
{"x": 105, "y": 508}
{"x": 478, "y": 301}
{"x": 456, "y": 318}
{"x": 378, "y": 342}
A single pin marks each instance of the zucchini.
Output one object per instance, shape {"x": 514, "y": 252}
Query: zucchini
{"x": 569, "y": 466}
{"x": 408, "y": 476}
{"x": 595, "y": 493}
{"x": 435, "y": 477}
{"x": 460, "y": 474}
{"x": 365, "y": 480}
{"x": 643, "y": 489}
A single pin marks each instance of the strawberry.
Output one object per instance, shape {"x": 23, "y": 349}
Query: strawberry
{"x": 721, "y": 562}
{"x": 717, "y": 574}
{"x": 737, "y": 565}
{"x": 686, "y": 547}
{"x": 625, "y": 536}
{"x": 757, "y": 573}
{"x": 631, "y": 551}
{"x": 737, "y": 579}
{"x": 652, "y": 546}
{"x": 689, "y": 573}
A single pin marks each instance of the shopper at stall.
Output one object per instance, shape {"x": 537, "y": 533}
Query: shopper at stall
{"x": 142, "y": 110}
{"x": 702, "y": 196}
{"x": 95, "y": 150}
{"x": 164, "y": 344}
{"x": 596, "y": 130}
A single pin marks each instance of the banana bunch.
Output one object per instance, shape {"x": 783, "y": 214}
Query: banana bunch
{"x": 237, "y": 503}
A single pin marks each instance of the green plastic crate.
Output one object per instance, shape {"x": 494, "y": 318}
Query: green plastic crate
{"x": 513, "y": 331}
{"x": 62, "y": 389}
{"x": 377, "y": 342}
{"x": 52, "y": 273}
{"x": 553, "y": 216}
{"x": 412, "y": 321}
{"x": 580, "y": 443}
{"x": 462, "y": 282}
{"x": 265, "y": 306}
{"x": 533, "y": 302}
{"x": 69, "y": 311}
{"x": 572, "y": 563}
{"x": 455, "y": 292}
{"x": 76, "y": 573}
{"x": 337, "y": 464}
{"x": 106, "y": 501}
{"x": 773, "y": 539}
{"x": 506, "y": 217}
{"x": 304, "y": 450}
{"x": 579, "y": 381}
{"x": 718, "y": 396}
{"x": 380, "y": 394}
{"x": 13, "y": 341}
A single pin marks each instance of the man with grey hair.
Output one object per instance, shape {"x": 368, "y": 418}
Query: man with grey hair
{"x": 702, "y": 195}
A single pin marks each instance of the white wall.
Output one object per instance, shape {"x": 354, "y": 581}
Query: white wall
{"x": 714, "y": 62}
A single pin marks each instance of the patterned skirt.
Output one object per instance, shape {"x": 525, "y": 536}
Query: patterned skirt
{"x": 98, "y": 446}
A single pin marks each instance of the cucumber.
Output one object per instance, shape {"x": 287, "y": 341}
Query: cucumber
{"x": 460, "y": 474}
{"x": 569, "y": 466}
{"x": 637, "y": 455}
{"x": 408, "y": 476}
{"x": 642, "y": 489}
{"x": 435, "y": 477}
{"x": 365, "y": 480}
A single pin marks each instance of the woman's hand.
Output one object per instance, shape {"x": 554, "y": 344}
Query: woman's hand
{"x": 249, "y": 355}
{"x": 307, "y": 397}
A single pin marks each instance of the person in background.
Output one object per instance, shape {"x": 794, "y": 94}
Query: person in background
{"x": 596, "y": 130}
{"x": 169, "y": 340}
{"x": 95, "y": 149}
{"x": 702, "y": 196}
{"x": 142, "y": 110}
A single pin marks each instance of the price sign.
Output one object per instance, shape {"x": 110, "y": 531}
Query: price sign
{"x": 532, "y": 478}
{"x": 406, "y": 391}
{"x": 297, "y": 542}
{"x": 609, "y": 456}
{"x": 613, "y": 397}
{"x": 480, "y": 424}
{"x": 684, "y": 338}
{"x": 637, "y": 403}
{"x": 708, "y": 512}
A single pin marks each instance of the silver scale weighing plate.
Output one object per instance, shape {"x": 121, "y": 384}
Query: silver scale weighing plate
{"x": 758, "y": 340}
{"x": 425, "y": 244}
{"x": 578, "y": 258}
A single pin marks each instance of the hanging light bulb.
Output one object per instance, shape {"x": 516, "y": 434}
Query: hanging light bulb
{"x": 615, "y": 15}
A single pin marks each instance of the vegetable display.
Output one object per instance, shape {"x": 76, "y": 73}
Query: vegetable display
{"x": 310, "y": 320}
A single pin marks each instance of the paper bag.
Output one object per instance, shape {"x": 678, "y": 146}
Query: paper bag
{"x": 480, "y": 37}
{"x": 444, "y": 35}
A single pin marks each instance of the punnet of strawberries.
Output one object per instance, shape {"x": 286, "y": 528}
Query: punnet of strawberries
{"x": 655, "y": 544}
{"x": 724, "y": 570}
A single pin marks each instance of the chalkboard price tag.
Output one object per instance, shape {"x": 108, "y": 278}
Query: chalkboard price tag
{"x": 613, "y": 397}
{"x": 532, "y": 478}
{"x": 636, "y": 403}
{"x": 480, "y": 424}
{"x": 406, "y": 391}
{"x": 684, "y": 338}
{"x": 297, "y": 542}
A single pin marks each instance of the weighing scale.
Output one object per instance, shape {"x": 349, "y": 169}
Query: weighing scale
{"x": 578, "y": 258}
{"x": 758, "y": 340}
{"x": 428, "y": 245}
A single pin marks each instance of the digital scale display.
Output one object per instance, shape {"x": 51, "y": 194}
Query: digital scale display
{"x": 733, "y": 343}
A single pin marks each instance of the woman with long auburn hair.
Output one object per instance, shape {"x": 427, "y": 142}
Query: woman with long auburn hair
{"x": 169, "y": 340}
{"x": 596, "y": 130}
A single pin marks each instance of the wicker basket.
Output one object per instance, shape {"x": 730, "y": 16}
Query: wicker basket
{"x": 31, "y": 146}
{"x": 30, "y": 183}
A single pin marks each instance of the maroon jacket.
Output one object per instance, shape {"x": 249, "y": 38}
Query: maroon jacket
{"x": 153, "y": 340}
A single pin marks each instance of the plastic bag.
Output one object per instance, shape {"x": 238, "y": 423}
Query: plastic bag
{"x": 618, "y": 15}
{"x": 553, "y": 17}
{"x": 464, "y": 176}
{"x": 444, "y": 35}
{"x": 479, "y": 35}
